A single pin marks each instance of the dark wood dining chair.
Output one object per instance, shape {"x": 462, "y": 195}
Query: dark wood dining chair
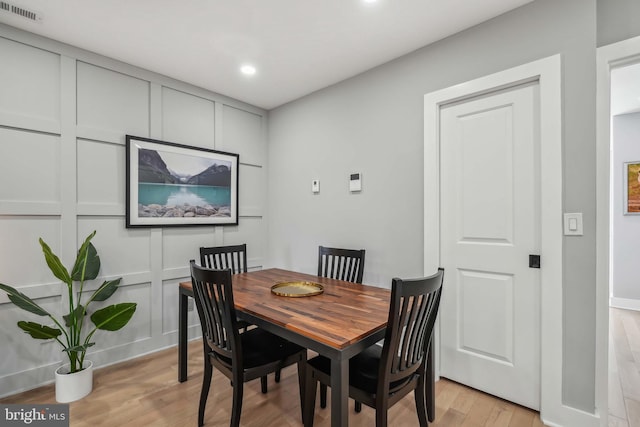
{"x": 380, "y": 376}
{"x": 341, "y": 264}
{"x": 241, "y": 357}
{"x": 233, "y": 257}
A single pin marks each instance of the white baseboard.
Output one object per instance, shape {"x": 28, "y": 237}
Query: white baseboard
{"x": 626, "y": 303}
{"x": 42, "y": 375}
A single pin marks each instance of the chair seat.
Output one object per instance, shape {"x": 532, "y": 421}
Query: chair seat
{"x": 363, "y": 369}
{"x": 260, "y": 348}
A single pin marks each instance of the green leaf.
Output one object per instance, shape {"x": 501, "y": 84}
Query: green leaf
{"x": 79, "y": 348}
{"x": 22, "y": 301}
{"x": 38, "y": 331}
{"x": 68, "y": 318}
{"x": 114, "y": 317}
{"x": 87, "y": 263}
{"x": 54, "y": 264}
{"x": 106, "y": 290}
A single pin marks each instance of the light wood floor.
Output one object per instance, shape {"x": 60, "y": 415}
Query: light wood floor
{"x": 624, "y": 368}
{"x": 145, "y": 392}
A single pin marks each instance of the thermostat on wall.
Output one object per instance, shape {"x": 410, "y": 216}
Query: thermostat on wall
{"x": 355, "y": 182}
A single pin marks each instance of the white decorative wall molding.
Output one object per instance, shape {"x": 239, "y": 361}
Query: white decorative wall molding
{"x": 71, "y": 128}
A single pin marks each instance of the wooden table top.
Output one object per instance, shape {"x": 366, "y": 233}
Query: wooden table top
{"x": 342, "y": 315}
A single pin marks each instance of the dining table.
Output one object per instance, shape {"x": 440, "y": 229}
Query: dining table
{"x": 338, "y": 323}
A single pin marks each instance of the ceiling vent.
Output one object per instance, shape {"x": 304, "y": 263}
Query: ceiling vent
{"x": 20, "y": 11}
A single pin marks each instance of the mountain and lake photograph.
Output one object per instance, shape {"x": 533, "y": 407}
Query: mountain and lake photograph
{"x": 180, "y": 185}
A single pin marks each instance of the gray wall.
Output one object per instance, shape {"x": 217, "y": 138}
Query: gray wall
{"x": 64, "y": 114}
{"x": 373, "y": 124}
{"x": 617, "y": 20}
{"x": 626, "y": 228}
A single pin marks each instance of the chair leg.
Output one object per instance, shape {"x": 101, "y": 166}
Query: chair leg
{"x": 308, "y": 409}
{"x": 358, "y": 406}
{"x": 263, "y": 384}
{"x": 236, "y": 406}
{"x": 381, "y": 417}
{"x": 204, "y": 393}
{"x": 278, "y": 376}
{"x": 323, "y": 395}
{"x": 421, "y": 402}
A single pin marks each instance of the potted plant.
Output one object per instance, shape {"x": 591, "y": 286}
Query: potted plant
{"x": 69, "y": 331}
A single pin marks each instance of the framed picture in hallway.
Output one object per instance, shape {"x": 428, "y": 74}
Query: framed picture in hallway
{"x": 172, "y": 185}
{"x": 632, "y": 188}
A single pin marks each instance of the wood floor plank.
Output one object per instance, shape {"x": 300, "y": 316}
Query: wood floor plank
{"x": 464, "y": 401}
{"x": 617, "y": 422}
{"x": 633, "y": 412}
{"x": 480, "y": 411}
{"x": 521, "y": 418}
{"x": 630, "y": 324}
{"x": 624, "y": 368}
{"x": 450, "y": 418}
{"x": 500, "y": 416}
{"x": 616, "y": 398}
{"x": 619, "y": 336}
{"x": 145, "y": 392}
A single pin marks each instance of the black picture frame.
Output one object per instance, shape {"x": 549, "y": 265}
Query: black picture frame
{"x": 176, "y": 185}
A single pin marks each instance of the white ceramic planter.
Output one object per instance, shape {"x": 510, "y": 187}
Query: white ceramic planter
{"x": 70, "y": 387}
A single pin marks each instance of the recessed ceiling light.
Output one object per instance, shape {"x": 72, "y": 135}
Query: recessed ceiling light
{"x": 369, "y": 1}
{"x": 248, "y": 70}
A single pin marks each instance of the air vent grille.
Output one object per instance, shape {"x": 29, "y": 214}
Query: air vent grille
{"x": 16, "y": 10}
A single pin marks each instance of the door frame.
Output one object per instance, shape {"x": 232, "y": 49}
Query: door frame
{"x": 547, "y": 72}
{"x": 608, "y": 57}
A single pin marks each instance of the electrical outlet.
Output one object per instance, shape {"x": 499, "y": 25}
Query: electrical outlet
{"x": 190, "y": 303}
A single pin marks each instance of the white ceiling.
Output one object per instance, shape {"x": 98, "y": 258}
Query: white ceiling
{"x": 297, "y": 46}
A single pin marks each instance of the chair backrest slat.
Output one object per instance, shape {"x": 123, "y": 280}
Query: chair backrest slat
{"x": 232, "y": 257}
{"x": 213, "y": 295}
{"x": 412, "y": 314}
{"x": 341, "y": 264}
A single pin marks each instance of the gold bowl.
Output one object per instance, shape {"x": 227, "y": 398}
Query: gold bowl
{"x": 297, "y": 289}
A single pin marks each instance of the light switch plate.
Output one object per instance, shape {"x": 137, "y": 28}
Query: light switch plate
{"x": 315, "y": 185}
{"x": 355, "y": 182}
{"x": 573, "y": 224}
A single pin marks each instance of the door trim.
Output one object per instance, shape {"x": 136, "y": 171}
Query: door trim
{"x": 608, "y": 57}
{"x": 547, "y": 72}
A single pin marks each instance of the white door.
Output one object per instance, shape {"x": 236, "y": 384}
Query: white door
{"x": 490, "y": 224}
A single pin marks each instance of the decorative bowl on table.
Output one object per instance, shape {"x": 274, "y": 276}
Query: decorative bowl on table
{"x": 297, "y": 289}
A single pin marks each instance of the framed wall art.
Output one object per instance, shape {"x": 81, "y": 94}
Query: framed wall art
{"x": 172, "y": 184}
{"x": 632, "y": 188}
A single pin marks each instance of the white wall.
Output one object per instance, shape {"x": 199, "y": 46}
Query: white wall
{"x": 617, "y": 20}
{"x": 625, "y": 289}
{"x": 64, "y": 114}
{"x": 373, "y": 124}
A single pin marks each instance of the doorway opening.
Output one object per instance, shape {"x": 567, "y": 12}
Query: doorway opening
{"x": 618, "y": 296}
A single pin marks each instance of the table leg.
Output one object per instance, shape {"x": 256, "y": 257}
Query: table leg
{"x": 430, "y": 384}
{"x": 182, "y": 335}
{"x": 339, "y": 393}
